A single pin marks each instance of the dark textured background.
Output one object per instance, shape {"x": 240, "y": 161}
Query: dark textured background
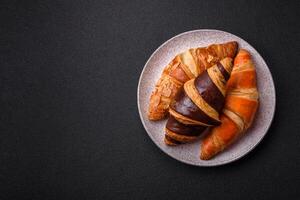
{"x": 69, "y": 125}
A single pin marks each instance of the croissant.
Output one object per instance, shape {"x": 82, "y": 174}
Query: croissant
{"x": 182, "y": 68}
{"x": 198, "y": 104}
{"x": 239, "y": 109}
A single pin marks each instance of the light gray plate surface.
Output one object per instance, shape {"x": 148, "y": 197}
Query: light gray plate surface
{"x": 189, "y": 153}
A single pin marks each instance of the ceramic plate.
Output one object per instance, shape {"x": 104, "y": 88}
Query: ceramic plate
{"x": 189, "y": 153}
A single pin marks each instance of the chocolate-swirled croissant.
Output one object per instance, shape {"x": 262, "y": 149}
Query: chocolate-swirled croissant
{"x": 183, "y": 67}
{"x": 198, "y": 104}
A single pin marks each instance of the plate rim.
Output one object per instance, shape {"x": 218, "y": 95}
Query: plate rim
{"x": 185, "y": 161}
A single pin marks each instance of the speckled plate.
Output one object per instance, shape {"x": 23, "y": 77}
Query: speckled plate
{"x": 189, "y": 153}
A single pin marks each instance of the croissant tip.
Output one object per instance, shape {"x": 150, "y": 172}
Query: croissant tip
{"x": 169, "y": 143}
{"x": 244, "y": 51}
{"x": 156, "y": 116}
{"x": 235, "y": 48}
{"x": 204, "y": 156}
{"x": 153, "y": 118}
{"x": 233, "y": 42}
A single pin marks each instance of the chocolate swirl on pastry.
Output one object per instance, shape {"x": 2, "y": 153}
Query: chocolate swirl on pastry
{"x": 197, "y": 105}
{"x": 183, "y": 67}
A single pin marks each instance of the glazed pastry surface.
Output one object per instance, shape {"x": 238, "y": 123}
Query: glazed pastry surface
{"x": 239, "y": 110}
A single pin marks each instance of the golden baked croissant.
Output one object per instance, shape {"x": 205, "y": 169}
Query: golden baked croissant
{"x": 240, "y": 107}
{"x": 182, "y": 68}
{"x": 197, "y": 104}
